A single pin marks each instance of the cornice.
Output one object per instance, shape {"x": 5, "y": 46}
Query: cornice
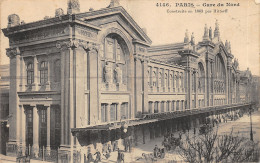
{"x": 66, "y": 19}
{"x": 111, "y": 11}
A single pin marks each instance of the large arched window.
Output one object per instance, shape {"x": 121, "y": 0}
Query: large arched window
{"x": 114, "y": 68}
{"x": 57, "y": 71}
{"x": 219, "y": 75}
{"x": 30, "y": 73}
{"x": 201, "y": 79}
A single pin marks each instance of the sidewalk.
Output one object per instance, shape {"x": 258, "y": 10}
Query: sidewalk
{"x": 4, "y": 159}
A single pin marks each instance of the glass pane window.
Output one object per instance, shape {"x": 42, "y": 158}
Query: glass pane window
{"x": 103, "y": 112}
{"x": 30, "y": 73}
{"x": 29, "y": 127}
{"x": 156, "y": 107}
{"x": 43, "y": 72}
{"x": 124, "y": 111}
{"x": 113, "y": 112}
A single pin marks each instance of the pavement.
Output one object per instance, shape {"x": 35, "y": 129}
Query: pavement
{"x": 8, "y": 159}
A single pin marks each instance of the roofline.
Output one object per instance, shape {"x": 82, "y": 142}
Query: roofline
{"x": 115, "y": 10}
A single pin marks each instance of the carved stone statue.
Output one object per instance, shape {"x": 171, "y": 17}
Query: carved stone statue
{"x": 192, "y": 41}
{"x": 13, "y": 20}
{"x": 118, "y": 74}
{"x": 73, "y": 7}
{"x": 59, "y": 12}
{"x": 108, "y": 73}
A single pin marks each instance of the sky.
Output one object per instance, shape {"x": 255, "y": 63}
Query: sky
{"x": 240, "y": 25}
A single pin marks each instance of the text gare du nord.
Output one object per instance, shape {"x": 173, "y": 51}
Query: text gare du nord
{"x": 193, "y": 5}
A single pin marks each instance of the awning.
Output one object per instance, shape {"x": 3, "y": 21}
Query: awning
{"x": 115, "y": 125}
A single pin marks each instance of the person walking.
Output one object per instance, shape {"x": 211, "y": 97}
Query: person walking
{"x": 98, "y": 157}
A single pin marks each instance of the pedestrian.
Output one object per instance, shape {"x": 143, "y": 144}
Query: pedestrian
{"x": 155, "y": 151}
{"x": 90, "y": 157}
{"x": 162, "y": 153}
{"x": 98, "y": 157}
{"x": 126, "y": 144}
{"x": 120, "y": 156}
{"x": 180, "y": 135}
{"x": 109, "y": 148}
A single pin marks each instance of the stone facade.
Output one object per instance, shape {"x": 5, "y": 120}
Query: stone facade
{"x": 77, "y": 73}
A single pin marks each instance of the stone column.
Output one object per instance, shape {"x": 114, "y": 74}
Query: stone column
{"x": 48, "y": 147}
{"x": 173, "y": 82}
{"x": 48, "y": 84}
{"x": 196, "y": 88}
{"x": 35, "y": 147}
{"x": 23, "y": 129}
{"x": 146, "y": 87}
{"x": 138, "y": 84}
{"x": 13, "y": 141}
{"x": 36, "y": 82}
{"x": 207, "y": 95}
{"x": 189, "y": 92}
{"x": 23, "y": 78}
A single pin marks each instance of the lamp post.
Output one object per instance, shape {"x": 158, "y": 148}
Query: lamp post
{"x": 251, "y": 127}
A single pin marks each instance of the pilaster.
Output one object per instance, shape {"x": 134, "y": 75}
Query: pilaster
{"x": 48, "y": 147}
{"x": 35, "y": 85}
{"x": 23, "y": 129}
{"x": 35, "y": 147}
{"x": 14, "y": 109}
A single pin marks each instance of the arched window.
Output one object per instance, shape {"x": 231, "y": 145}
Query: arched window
{"x": 219, "y": 75}
{"x": 154, "y": 79}
{"x": 57, "y": 71}
{"x": 114, "y": 66}
{"x": 160, "y": 80}
{"x": 30, "y": 73}
{"x": 43, "y": 72}
{"x": 166, "y": 81}
{"x": 170, "y": 82}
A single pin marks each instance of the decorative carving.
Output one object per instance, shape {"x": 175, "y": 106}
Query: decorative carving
{"x": 186, "y": 38}
{"x": 142, "y": 49}
{"x": 83, "y": 31}
{"x": 59, "y": 12}
{"x": 12, "y": 52}
{"x": 108, "y": 73}
{"x": 118, "y": 74}
{"x": 13, "y": 20}
{"x": 39, "y": 34}
{"x": 67, "y": 44}
{"x": 73, "y": 7}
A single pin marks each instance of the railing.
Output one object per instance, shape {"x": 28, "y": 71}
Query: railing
{"x": 23, "y": 159}
{"x": 51, "y": 156}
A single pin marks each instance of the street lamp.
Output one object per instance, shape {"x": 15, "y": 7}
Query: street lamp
{"x": 251, "y": 128}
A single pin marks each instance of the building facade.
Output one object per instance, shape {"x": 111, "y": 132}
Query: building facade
{"x": 82, "y": 80}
